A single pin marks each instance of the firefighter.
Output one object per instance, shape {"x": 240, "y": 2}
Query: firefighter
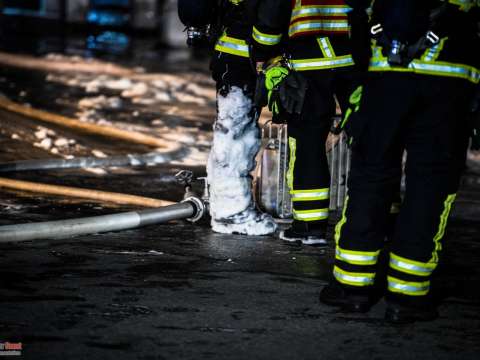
{"x": 236, "y": 138}
{"x": 416, "y": 97}
{"x": 319, "y": 69}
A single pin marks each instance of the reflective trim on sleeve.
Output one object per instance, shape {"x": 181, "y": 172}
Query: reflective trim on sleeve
{"x": 266, "y": 39}
{"x": 321, "y": 63}
{"x": 357, "y": 257}
{"x": 408, "y": 287}
{"x": 318, "y": 25}
{"x": 320, "y": 10}
{"x": 232, "y": 46}
{"x": 410, "y": 266}
{"x": 310, "y": 195}
{"x": 353, "y": 279}
{"x": 310, "y": 215}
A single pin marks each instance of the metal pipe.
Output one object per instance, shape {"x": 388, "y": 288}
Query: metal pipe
{"x": 148, "y": 159}
{"x": 100, "y": 224}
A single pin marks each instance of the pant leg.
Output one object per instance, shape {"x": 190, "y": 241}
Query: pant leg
{"x": 436, "y": 144}
{"x": 309, "y": 175}
{"x": 236, "y": 137}
{"x": 373, "y": 181}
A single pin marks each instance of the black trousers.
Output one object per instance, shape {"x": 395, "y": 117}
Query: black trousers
{"x": 426, "y": 116}
{"x": 309, "y": 174}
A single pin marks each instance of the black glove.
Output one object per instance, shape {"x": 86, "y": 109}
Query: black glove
{"x": 261, "y": 93}
{"x": 292, "y": 93}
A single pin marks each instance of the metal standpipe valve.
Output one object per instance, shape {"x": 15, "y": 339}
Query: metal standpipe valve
{"x": 186, "y": 178}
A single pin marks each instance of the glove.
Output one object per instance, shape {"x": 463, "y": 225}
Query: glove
{"x": 261, "y": 93}
{"x": 292, "y": 93}
{"x": 354, "y": 102}
{"x": 274, "y": 76}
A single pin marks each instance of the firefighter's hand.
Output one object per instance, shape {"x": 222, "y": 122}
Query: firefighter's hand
{"x": 274, "y": 76}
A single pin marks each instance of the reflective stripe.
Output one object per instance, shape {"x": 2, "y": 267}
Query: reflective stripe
{"x": 325, "y": 10}
{"x": 311, "y": 215}
{"x": 326, "y": 47}
{"x": 321, "y": 63}
{"x": 310, "y": 195}
{"x": 354, "y": 279}
{"x": 435, "y": 68}
{"x": 292, "y": 145}
{"x": 266, "y": 39}
{"x": 410, "y": 266}
{"x": 232, "y": 46}
{"x": 442, "y": 226}
{"x": 316, "y": 25}
{"x": 357, "y": 257}
{"x": 433, "y": 53}
{"x": 395, "y": 208}
{"x": 465, "y": 5}
{"x": 408, "y": 288}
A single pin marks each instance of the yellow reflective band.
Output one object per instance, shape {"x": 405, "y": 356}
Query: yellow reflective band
{"x": 434, "y": 68}
{"x": 265, "y": 39}
{"x": 320, "y": 10}
{"x": 292, "y": 145}
{"x": 395, "y": 208}
{"x": 464, "y": 5}
{"x": 357, "y": 257}
{"x": 352, "y": 278}
{"x": 233, "y": 46}
{"x": 310, "y": 195}
{"x": 411, "y": 266}
{"x": 326, "y": 47}
{"x": 408, "y": 287}
{"x": 318, "y": 25}
{"x": 236, "y": 2}
{"x": 311, "y": 215}
{"x": 433, "y": 53}
{"x": 442, "y": 226}
{"x": 342, "y": 222}
{"x": 321, "y": 63}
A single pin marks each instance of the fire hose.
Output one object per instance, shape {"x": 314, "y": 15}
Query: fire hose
{"x": 192, "y": 208}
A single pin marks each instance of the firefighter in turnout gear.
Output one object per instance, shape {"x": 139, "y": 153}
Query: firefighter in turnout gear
{"x": 417, "y": 96}
{"x": 236, "y": 138}
{"x": 314, "y": 36}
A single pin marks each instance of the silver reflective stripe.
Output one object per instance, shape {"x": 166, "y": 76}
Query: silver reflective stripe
{"x": 326, "y": 47}
{"x": 321, "y": 63}
{"x": 355, "y": 257}
{"x": 432, "y": 69}
{"x": 312, "y": 11}
{"x": 268, "y": 39}
{"x": 229, "y": 45}
{"x": 413, "y": 268}
{"x": 320, "y": 194}
{"x": 319, "y": 25}
{"x": 360, "y": 280}
{"x": 407, "y": 288}
{"x": 432, "y": 53}
{"x": 314, "y": 215}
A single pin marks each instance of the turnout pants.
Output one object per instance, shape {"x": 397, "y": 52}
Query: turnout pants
{"x": 426, "y": 116}
{"x": 309, "y": 175}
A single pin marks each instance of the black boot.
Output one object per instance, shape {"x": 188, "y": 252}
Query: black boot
{"x": 402, "y": 310}
{"x": 308, "y": 233}
{"x": 347, "y": 298}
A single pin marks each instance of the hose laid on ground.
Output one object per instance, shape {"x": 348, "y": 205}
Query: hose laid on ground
{"x": 99, "y": 130}
{"x": 95, "y": 195}
{"x": 99, "y": 224}
{"x": 149, "y": 159}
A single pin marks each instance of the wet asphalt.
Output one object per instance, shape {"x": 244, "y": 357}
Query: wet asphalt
{"x": 180, "y": 291}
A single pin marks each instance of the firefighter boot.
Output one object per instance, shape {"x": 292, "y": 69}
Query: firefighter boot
{"x": 349, "y": 299}
{"x": 248, "y": 222}
{"x": 402, "y": 310}
{"x": 308, "y": 233}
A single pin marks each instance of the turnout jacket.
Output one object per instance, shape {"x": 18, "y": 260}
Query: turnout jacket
{"x": 314, "y": 33}
{"x": 453, "y": 21}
